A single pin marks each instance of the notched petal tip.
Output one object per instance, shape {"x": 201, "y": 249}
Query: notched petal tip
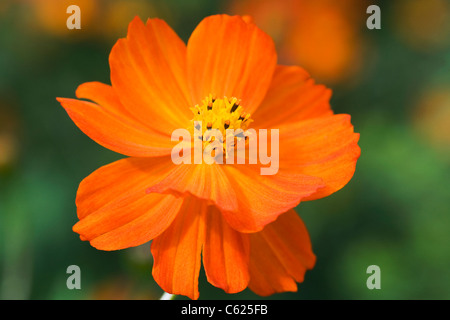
{"x": 152, "y": 59}
{"x": 135, "y": 22}
{"x": 248, "y": 19}
{"x": 177, "y": 251}
{"x": 286, "y": 244}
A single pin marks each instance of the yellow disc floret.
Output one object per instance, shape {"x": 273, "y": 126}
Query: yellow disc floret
{"x": 225, "y": 115}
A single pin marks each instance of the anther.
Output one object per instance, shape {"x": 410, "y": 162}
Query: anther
{"x": 221, "y": 113}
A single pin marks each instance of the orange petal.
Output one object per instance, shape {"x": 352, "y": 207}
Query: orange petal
{"x": 105, "y": 96}
{"x": 139, "y": 220}
{"x": 208, "y": 182}
{"x": 280, "y": 255}
{"x": 117, "y": 180}
{"x": 148, "y": 72}
{"x": 106, "y": 126}
{"x": 293, "y": 96}
{"x": 228, "y": 56}
{"x": 177, "y": 251}
{"x": 324, "y": 147}
{"x": 115, "y": 211}
{"x": 225, "y": 254}
{"x": 247, "y": 199}
{"x": 262, "y": 198}
{"x": 267, "y": 274}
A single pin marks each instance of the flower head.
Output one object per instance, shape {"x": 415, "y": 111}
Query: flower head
{"x": 241, "y": 223}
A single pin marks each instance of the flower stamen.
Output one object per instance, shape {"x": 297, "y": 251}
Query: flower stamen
{"x": 223, "y": 114}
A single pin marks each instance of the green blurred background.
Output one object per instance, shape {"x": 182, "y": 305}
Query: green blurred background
{"x": 395, "y": 82}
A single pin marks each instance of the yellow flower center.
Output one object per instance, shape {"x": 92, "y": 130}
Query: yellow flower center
{"x": 225, "y": 115}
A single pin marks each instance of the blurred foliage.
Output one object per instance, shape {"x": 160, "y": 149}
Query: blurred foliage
{"x": 394, "y": 213}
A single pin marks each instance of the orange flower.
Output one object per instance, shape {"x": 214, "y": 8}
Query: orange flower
{"x": 50, "y": 16}
{"x": 433, "y": 31}
{"x": 241, "y": 223}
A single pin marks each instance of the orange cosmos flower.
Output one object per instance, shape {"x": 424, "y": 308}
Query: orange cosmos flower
{"x": 241, "y": 223}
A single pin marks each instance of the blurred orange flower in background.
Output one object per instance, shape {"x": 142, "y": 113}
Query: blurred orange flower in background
{"x": 242, "y": 223}
{"x": 9, "y": 137}
{"x": 51, "y": 16}
{"x": 423, "y": 24}
{"x": 99, "y": 18}
{"x": 321, "y": 36}
{"x": 121, "y": 289}
{"x": 432, "y": 116}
